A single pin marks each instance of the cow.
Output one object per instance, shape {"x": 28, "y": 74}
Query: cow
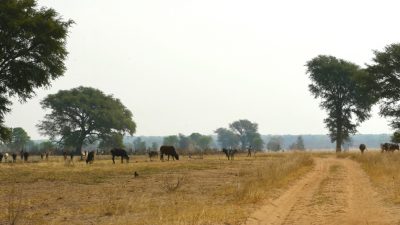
{"x": 41, "y": 155}
{"x": 26, "y": 155}
{"x": 1, "y": 157}
{"x": 47, "y": 156}
{"x": 5, "y": 157}
{"x": 90, "y": 157}
{"x": 14, "y": 157}
{"x": 65, "y": 155}
{"x": 169, "y": 151}
{"x": 362, "y": 148}
{"x": 389, "y": 147}
{"x": 230, "y": 153}
{"x": 152, "y": 154}
{"x": 119, "y": 152}
{"x": 249, "y": 149}
{"x": 21, "y": 154}
{"x": 393, "y": 147}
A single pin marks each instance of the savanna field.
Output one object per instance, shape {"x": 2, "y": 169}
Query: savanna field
{"x": 211, "y": 190}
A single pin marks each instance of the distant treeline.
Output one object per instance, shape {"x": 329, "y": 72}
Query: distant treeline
{"x": 311, "y": 142}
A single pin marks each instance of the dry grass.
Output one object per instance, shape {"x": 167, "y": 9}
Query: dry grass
{"x": 209, "y": 191}
{"x": 383, "y": 170}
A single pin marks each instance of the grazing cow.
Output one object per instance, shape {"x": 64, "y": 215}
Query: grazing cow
{"x": 169, "y": 151}
{"x": 26, "y": 155}
{"x": 119, "y": 152}
{"x": 5, "y": 157}
{"x": 389, "y": 147}
{"x": 230, "y": 153}
{"x": 362, "y": 148}
{"x": 152, "y": 154}
{"x": 14, "y": 157}
{"x": 393, "y": 147}
{"x": 1, "y": 157}
{"x": 90, "y": 157}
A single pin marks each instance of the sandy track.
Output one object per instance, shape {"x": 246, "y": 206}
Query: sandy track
{"x": 336, "y": 191}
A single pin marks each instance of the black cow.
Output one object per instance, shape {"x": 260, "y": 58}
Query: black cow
{"x": 1, "y": 157}
{"x": 14, "y": 157}
{"x": 362, "y": 148}
{"x": 26, "y": 155}
{"x": 21, "y": 154}
{"x": 169, "y": 151}
{"x": 230, "y": 153}
{"x": 90, "y": 157}
{"x": 389, "y": 147}
{"x": 152, "y": 154}
{"x": 119, "y": 152}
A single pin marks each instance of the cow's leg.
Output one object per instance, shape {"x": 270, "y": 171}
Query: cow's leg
{"x": 113, "y": 159}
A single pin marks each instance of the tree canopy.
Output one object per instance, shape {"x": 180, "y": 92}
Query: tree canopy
{"x": 84, "y": 115}
{"x": 226, "y": 138}
{"x": 386, "y": 73}
{"x": 32, "y": 51}
{"x": 19, "y": 138}
{"x": 344, "y": 90}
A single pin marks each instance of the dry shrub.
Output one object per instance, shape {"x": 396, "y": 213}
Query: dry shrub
{"x": 14, "y": 205}
{"x": 171, "y": 183}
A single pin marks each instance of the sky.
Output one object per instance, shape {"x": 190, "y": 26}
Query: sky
{"x": 184, "y": 66}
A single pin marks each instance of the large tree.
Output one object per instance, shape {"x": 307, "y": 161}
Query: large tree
{"x": 19, "y": 138}
{"x": 227, "y": 138}
{"x": 246, "y": 130}
{"x": 343, "y": 88}
{"x": 386, "y": 73}
{"x": 84, "y": 115}
{"x": 171, "y": 140}
{"x": 32, "y": 51}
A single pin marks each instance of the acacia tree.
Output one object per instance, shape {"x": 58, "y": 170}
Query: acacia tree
{"x": 247, "y": 133}
{"x": 32, "y": 51}
{"x": 386, "y": 73}
{"x": 84, "y": 115}
{"x": 344, "y": 90}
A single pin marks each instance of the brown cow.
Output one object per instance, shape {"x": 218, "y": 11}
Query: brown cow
{"x": 119, "y": 152}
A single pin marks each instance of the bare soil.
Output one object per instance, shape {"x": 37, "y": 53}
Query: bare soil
{"x": 336, "y": 191}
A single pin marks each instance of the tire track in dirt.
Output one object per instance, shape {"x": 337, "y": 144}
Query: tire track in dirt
{"x": 336, "y": 191}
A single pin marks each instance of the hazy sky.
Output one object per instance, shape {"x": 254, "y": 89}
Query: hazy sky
{"x": 186, "y": 66}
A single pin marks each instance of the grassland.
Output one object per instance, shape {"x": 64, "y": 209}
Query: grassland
{"x": 209, "y": 191}
{"x": 383, "y": 170}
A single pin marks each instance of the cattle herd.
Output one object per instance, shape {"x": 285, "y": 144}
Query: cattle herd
{"x": 169, "y": 151}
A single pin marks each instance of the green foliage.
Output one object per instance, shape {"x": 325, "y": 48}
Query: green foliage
{"x": 83, "y": 115}
{"x": 200, "y": 142}
{"x": 298, "y": 145}
{"x": 47, "y": 146}
{"x": 19, "y": 138}
{"x": 171, "y": 140}
{"x": 226, "y": 138}
{"x": 345, "y": 92}
{"x": 396, "y": 137}
{"x": 139, "y": 145}
{"x": 154, "y": 146}
{"x": 386, "y": 74}
{"x": 113, "y": 140}
{"x": 183, "y": 142}
{"x": 275, "y": 143}
{"x": 246, "y": 131}
{"x": 32, "y": 50}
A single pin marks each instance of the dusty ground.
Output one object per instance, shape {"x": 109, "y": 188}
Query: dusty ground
{"x": 337, "y": 191}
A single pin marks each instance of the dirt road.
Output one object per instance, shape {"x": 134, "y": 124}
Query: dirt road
{"x": 337, "y": 191}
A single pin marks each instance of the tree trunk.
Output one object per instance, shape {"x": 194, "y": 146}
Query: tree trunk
{"x": 339, "y": 138}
